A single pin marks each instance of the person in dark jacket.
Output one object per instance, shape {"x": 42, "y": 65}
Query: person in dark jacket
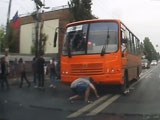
{"x": 40, "y": 71}
{"x": 34, "y": 72}
{"x": 4, "y": 73}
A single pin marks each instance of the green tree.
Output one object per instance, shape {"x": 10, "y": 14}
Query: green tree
{"x": 42, "y": 43}
{"x": 13, "y": 37}
{"x": 2, "y": 38}
{"x": 13, "y": 40}
{"x": 80, "y": 10}
{"x": 149, "y": 50}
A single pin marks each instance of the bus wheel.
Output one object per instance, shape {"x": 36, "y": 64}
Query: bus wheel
{"x": 124, "y": 88}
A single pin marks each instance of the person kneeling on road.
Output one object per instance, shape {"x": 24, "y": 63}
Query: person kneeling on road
{"x": 82, "y": 86}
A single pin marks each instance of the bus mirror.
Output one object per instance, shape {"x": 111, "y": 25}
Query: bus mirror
{"x": 124, "y": 41}
{"x": 103, "y": 51}
{"x": 55, "y": 39}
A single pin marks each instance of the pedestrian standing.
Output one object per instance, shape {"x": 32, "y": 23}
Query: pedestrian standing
{"x": 22, "y": 71}
{"x": 82, "y": 86}
{"x": 52, "y": 72}
{"x": 34, "y": 72}
{"x": 15, "y": 68}
{"x": 40, "y": 62}
{"x": 4, "y": 73}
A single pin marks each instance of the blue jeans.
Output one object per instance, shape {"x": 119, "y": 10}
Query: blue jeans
{"x": 80, "y": 89}
{"x": 35, "y": 78}
{"x": 52, "y": 78}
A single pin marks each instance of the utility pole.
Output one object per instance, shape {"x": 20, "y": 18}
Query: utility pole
{"x": 38, "y": 6}
{"x": 41, "y": 34}
{"x": 37, "y": 31}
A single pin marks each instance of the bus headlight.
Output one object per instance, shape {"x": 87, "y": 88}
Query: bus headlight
{"x": 107, "y": 70}
{"x": 65, "y": 72}
{"x": 112, "y": 70}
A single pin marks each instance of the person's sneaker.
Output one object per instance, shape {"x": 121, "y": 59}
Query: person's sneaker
{"x": 89, "y": 102}
{"x": 51, "y": 86}
{"x": 35, "y": 86}
{"x": 126, "y": 92}
{"x": 54, "y": 86}
{"x": 97, "y": 96}
{"x": 70, "y": 100}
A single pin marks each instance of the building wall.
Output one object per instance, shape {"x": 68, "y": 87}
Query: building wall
{"x": 27, "y": 36}
{"x": 52, "y": 20}
{"x": 49, "y": 29}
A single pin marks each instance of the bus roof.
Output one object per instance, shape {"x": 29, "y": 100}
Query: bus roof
{"x": 93, "y": 20}
{"x": 100, "y": 20}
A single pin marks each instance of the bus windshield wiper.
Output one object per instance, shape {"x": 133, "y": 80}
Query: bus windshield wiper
{"x": 105, "y": 44}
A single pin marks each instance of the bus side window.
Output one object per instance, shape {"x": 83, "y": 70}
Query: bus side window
{"x": 123, "y": 40}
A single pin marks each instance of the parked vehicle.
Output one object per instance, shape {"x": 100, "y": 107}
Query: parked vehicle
{"x": 145, "y": 63}
{"x": 154, "y": 62}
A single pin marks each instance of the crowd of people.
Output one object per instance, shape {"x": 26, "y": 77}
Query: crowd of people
{"x": 81, "y": 86}
{"x": 18, "y": 71}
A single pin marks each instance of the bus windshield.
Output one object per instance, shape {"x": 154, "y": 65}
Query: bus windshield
{"x": 91, "y": 38}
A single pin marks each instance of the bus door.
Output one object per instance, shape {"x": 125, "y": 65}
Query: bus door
{"x": 124, "y": 47}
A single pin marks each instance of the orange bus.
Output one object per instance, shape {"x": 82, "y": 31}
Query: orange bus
{"x": 104, "y": 49}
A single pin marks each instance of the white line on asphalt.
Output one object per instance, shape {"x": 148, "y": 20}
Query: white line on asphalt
{"x": 86, "y": 108}
{"x": 148, "y": 75}
{"x": 103, "y": 106}
{"x": 159, "y": 75}
{"x": 143, "y": 76}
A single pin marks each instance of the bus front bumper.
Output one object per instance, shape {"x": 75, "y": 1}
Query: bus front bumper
{"x": 111, "y": 79}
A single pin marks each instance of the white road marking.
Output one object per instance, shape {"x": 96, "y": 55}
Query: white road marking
{"x": 103, "y": 106}
{"x": 159, "y": 75}
{"x": 88, "y": 107}
{"x": 147, "y": 76}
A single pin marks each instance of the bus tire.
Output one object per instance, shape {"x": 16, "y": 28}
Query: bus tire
{"x": 125, "y": 86}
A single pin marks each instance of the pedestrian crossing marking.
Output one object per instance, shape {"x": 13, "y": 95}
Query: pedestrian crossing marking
{"x": 88, "y": 107}
{"x": 104, "y": 105}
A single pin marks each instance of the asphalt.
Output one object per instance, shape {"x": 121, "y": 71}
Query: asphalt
{"x": 47, "y": 98}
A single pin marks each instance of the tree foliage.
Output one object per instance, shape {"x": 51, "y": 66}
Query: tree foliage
{"x": 13, "y": 39}
{"x": 80, "y": 10}
{"x": 149, "y": 50}
{"x": 42, "y": 43}
{"x": 2, "y": 38}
